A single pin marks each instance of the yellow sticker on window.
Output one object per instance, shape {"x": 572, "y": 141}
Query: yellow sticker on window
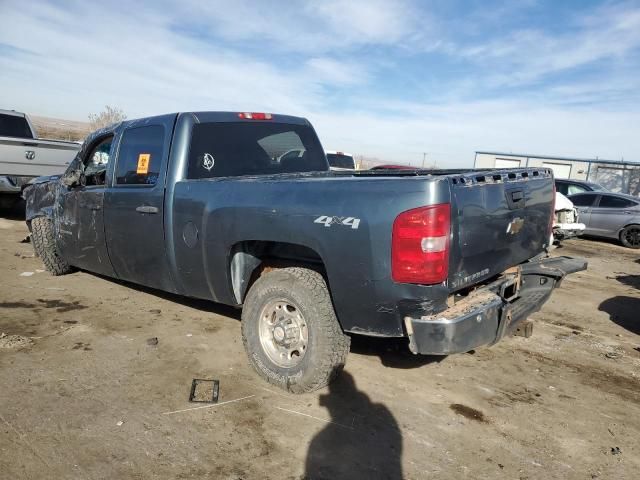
{"x": 143, "y": 163}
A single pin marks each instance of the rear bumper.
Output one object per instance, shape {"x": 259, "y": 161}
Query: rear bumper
{"x": 13, "y": 184}
{"x": 563, "y": 231}
{"x": 491, "y": 312}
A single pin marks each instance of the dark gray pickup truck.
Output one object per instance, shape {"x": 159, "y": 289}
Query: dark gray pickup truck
{"x": 242, "y": 209}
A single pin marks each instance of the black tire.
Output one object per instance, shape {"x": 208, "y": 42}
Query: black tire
{"x": 44, "y": 245}
{"x": 327, "y": 346}
{"x": 630, "y": 236}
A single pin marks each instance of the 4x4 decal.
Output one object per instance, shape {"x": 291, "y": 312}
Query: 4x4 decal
{"x": 327, "y": 221}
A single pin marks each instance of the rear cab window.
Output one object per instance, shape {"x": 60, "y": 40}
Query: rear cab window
{"x": 140, "y": 156}
{"x": 14, "y": 126}
{"x": 232, "y": 149}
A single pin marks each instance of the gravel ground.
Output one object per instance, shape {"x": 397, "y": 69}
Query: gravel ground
{"x": 88, "y": 394}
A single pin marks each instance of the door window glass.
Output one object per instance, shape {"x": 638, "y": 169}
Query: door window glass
{"x": 562, "y": 187}
{"x": 140, "y": 156}
{"x": 96, "y": 162}
{"x": 584, "y": 200}
{"x": 608, "y": 201}
{"x": 573, "y": 189}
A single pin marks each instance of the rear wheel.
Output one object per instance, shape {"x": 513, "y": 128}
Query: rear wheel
{"x": 630, "y": 236}
{"x": 45, "y": 247}
{"x": 290, "y": 331}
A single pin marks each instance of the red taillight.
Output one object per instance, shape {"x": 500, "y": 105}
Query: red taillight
{"x": 255, "y": 116}
{"x": 420, "y": 245}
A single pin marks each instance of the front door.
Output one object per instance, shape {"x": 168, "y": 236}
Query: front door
{"x": 134, "y": 205}
{"x": 80, "y": 225}
{"x": 584, "y": 202}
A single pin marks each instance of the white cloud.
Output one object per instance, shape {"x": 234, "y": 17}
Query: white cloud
{"x": 522, "y": 56}
{"x": 331, "y": 71}
{"x": 317, "y": 26}
{"x": 84, "y": 55}
{"x": 451, "y": 134}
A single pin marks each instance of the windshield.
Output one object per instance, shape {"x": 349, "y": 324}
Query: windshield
{"x": 596, "y": 187}
{"x": 340, "y": 160}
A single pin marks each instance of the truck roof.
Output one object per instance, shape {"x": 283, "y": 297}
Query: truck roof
{"x": 213, "y": 116}
{"x": 12, "y": 112}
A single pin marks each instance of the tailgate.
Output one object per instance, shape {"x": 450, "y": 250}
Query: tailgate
{"x": 35, "y": 157}
{"x": 500, "y": 218}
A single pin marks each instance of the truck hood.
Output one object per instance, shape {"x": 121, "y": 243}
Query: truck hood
{"x": 44, "y": 179}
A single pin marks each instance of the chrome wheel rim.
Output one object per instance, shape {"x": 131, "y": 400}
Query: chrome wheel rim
{"x": 284, "y": 335}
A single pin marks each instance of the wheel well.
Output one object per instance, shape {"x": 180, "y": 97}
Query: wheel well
{"x": 250, "y": 259}
{"x": 632, "y": 224}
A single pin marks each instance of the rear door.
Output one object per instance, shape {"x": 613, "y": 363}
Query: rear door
{"x": 134, "y": 205}
{"x": 610, "y": 215}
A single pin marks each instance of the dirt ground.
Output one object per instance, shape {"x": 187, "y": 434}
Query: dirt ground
{"x": 85, "y": 393}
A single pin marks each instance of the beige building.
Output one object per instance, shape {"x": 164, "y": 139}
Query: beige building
{"x": 616, "y": 175}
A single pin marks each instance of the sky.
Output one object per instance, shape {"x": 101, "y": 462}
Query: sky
{"x": 398, "y": 80}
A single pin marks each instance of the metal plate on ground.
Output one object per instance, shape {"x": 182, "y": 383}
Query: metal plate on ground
{"x": 204, "y": 391}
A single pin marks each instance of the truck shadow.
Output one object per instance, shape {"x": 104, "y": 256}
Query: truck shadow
{"x": 11, "y": 208}
{"x": 623, "y": 311}
{"x": 393, "y": 352}
{"x": 206, "y": 306}
{"x": 362, "y": 440}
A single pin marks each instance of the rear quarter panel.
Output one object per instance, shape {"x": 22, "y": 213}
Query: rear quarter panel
{"x": 357, "y": 260}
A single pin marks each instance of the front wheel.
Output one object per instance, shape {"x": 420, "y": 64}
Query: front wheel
{"x": 44, "y": 244}
{"x": 630, "y": 236}
{"x": 290, "y": 331}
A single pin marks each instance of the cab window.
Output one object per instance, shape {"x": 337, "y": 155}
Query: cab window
{"x": 140, "y": 156}
{"x": 96, "y": 162}
{"x": 236, "y": 149}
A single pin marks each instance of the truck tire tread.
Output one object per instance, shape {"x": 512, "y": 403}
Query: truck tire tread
{"x": 332, "y": 344}
{"x": 45, "y": 246}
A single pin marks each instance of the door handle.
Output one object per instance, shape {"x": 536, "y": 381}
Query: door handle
{"x": 146, "y": 209}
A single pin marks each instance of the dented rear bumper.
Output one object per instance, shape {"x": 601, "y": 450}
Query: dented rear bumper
{"x": 492, "y": 311}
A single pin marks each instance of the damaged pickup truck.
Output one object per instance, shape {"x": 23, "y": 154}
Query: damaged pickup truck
{"x": 207, "y": 205}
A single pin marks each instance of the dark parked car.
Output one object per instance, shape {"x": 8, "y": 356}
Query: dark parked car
{"x": 215, "y": 205}
{"x": 573, "y": 187}
{"x": 610, "y": 215}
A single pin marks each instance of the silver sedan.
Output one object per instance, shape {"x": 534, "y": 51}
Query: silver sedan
{"x": 610, "y": 215}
